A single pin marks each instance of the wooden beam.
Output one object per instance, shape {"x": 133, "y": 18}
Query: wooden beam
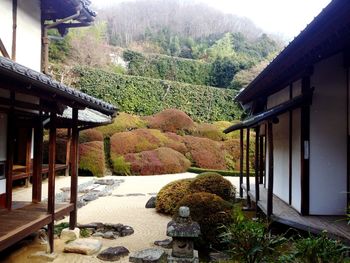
{"x": 247, "y": 167}
{"x": 270, "y": 170}
{"x": 14, "y": 28}
{"x": 68, "y": 150}
{"x": 305, "y": 151}
{"x": 241, "y": 157}
{"x": 3, "y": 50}
{"x": 28, "y": 154}
{"x": 10, "y": 153}
{"x": 37, "y": 162}
{"x": 257, "y": 185}
{"x": 261, "y": 160}
{"x": 52, "y": 171}
{"x": 74, "y": 170}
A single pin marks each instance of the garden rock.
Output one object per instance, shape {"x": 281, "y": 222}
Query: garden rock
{"x": 108, "y": 231}
{"x": 150, "y": 255}
{"x": 113, "y": 253}
{"x": 83, "y": 246}
{"x": 218, "y": 257}
{"x": 42, "y": 256}
{"x": 70, "y": 235}
{"x": 109, "y": 235}
{"x": 151, "y": 203}
{"x": 126, "y": 231}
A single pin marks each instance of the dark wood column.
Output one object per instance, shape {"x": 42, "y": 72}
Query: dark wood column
{"x": 10, "y": 151}
{"x": 68, "y": 150}
{"x": 247, "y": 165}
{"x": 257, "y": 181}
{"x": 241, "y": 163}
{"x": 51, "y": 187}
{"x": 37, "y": 162}
{"x": 305, "y": 150}
{"x": 74, "y": 170}
{"x": 28, "y": 155}
{"x": 270, "y": 171}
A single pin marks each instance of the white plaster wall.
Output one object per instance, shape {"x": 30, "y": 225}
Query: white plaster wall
{"x": 3, "y": 136}
{"x": 29, "y": 33}
{"x": 328, "y": 142}
{"x": 296, "y": 158}
{"x": 6, "y": 24}
{"x": 3, "y": 186}
{"x": 278, "y": 98}
{"x": 281, "y": 157}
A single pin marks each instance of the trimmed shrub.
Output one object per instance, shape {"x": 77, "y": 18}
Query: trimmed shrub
{"x": 232, "y": 148}
{"x": 205, "y": 153}
{"x": 171, "y": 120}
{"x": 172, "y": 193}
{"x": 123, "y": 122}
{"x": 160, "y": 161}
{"x": 92, "y": 158}
{"x": 175, "y": 142}
{"x": 214, "y": 183}
{"x": 209, "y": 131}
{"x": 210, "y": 211}
{"x": 136, "y": 141}
{"x": 120, "y": 166}
{"x": 222, "y": 125}
{"x": 90, "y": 135}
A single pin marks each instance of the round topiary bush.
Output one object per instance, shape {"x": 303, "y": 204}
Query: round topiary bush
{"x": 90, "y": 135}
{"x": 210, "y": 211}
{"x": 92, "y": 158}
{"x": 169, "y": 196}
{"x": 159, "y": 161}
{"x": 170, "y": 120}
{"x": 209, "y": 131}
{"x": 214, "y": 183}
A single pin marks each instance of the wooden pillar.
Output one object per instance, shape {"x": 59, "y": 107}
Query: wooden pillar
{"x": 68, "y": 150}
{"x": 51, "y": 187}
{"x": 37, "y": 162}
{"x": 257, "y": 181}
{"x": 28, "y": 156}
{"x": 241, "y": 163}
{"x": 248, "y": 167}
{"x": 270, "y": 171}
{"x": 9, "y": 157}
{"x": 74, "y": 170}
{"x": 261, "y": 160}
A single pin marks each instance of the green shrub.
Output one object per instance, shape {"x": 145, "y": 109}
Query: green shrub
{"x": 169, "y": 196}
{"x": 214, "y": 183}
{"x": 92, "y": 158}
{"x": 210, "y": 211}
{"x": 318, "y": 249}
{"x": 120, "y": 166}
{"x": 209, "y": 131}
{"x": 250, "y": 241}
{"x": 58, "y": 228}
{"x": 222, "y": 172}
{"x": 145, "y": 96}
{"x": 123, "y": 122}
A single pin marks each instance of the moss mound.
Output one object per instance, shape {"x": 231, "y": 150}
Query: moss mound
{"x": 209, "y": 131}
{"x": 171, "y": 194}
{"x": 210, "y": 211}
{"x": 205, "y": 153}
{"x": 214, "y": 183}
{"x": 92, "y": 158}
{"x": 123, "y": 122}
{"x": 90, "y": 135}
{"x": 159, "y": 161}
{"x": 171, "y": 120}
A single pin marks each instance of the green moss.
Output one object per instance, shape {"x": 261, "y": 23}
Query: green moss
{"x": 120, "y": 166}
{"x": 58, "y": 228}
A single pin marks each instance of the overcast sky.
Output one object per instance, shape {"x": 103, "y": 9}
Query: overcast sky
{"x": 283, "y": 17}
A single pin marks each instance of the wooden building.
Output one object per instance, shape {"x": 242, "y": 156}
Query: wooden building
{"x": 299, "y": 109}
{"x": 30, "y": 102}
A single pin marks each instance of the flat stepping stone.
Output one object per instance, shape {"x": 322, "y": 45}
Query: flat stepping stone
{"x": 83, "y": 246}
{"x": 136, "y": 194}
{"x": 113, "y": 253}
{"x": 166, "y": 243}
{"x": 149, "y": 255}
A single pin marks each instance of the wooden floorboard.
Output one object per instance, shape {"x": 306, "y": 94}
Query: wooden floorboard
{"x": 25, "y": 219}
{"x": 336, "y": 226}
{"x": 21, "y": 174}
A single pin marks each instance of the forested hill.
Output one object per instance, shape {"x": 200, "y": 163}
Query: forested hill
{"x": 187, "y": 43}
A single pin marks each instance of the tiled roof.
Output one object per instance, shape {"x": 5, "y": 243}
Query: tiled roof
{"x": 45, "y": 83}
{"x": 87, "y": 116}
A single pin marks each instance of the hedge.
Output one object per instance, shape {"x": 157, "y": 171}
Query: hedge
{"x": 198, "y": 170}
{"x": 168, "y": 68}
{"x": 145, "y": 96}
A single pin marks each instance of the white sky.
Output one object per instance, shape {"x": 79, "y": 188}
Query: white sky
{"x": 283, "y": 17}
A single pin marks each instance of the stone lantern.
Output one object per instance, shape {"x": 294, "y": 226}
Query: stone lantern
{"x": 183, "y": 230}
